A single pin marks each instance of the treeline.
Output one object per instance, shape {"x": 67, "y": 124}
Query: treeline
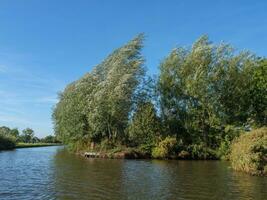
{"x": 10, "y": 137}
{"x": 204, "y": 96}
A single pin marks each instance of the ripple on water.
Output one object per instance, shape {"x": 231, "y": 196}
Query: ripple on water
{"x": 52, "y": 173}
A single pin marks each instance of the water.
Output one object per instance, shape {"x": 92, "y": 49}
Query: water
{"x": 53, "y": 173}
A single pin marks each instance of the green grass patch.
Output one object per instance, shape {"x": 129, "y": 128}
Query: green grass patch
{"x": 28, "y": 145}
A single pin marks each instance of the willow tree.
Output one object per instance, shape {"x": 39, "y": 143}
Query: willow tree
{"x": 97, "y": 106}
{"x": 204, "y": 87}
{"x": 258, "y": 94}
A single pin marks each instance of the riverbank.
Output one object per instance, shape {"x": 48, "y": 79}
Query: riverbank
{"x": 124, "y": 154}
{"x": 133, "y": 153}
{"x": 29, "y": 145}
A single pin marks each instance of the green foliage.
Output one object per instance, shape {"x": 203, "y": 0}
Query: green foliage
{"x": 184, "y": 155}
{"x": 258, "y": 94}
{"x": 7, "y": 142}
{"x": 9, "y": 132}
{"x": 27, "y": 136}
{"x": 224, "y": 149}
{"x": 144, "y": 129}
{"x": 204, "y": 96}
{"x": 165, "y": 149}
{"x": 29, "y": 145}
{"x": 201, "y": 152}
{"x": 106, "y": 145}
{"x": 8, "y": 138}
{"x": 249, "y": 152}
{"x": 97, "y": 106}
{"x": 49, "y": 139}
{"x": 230, "y": 133}
{"x": 205, "y": 88}
{"x": 11, "y": 138}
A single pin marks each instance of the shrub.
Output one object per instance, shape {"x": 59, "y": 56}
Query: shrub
{"x": 107, "y": 144}
{"x": 146, "y": 148}
{"x": 200, "y": 151}
{"x": 224, "y": 149}
{"x": 249, "y": 152}
{"x": 230, "y": 133}
{"x": 7, "y": 142}
{"x": 165, "y": 149}
{"x": 184, "y": 155}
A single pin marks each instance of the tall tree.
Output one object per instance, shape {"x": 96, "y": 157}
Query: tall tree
{"x": 97, "y": 106}
{"x": 258, "y": 94}
{"x": 203, "y": 88}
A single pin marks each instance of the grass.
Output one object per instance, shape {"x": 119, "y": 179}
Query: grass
{"x": 28, "y": 145}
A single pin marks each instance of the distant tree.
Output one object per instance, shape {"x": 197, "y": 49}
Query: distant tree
{"x": 5, "y": 130}
{"x": 8, "y": 138}
{"x": 35, "y": 140}
{"x": 49, "y": 139}
{"x": 7, "y": 142}
{"x": 14, "y": 132}
{"x": 9, "y": 132}
{"x": 27, "y": 135}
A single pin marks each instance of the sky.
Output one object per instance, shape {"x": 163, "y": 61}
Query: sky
{"x": 46, "y": 44}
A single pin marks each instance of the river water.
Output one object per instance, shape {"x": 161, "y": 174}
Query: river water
{"x": 53, "y": 173}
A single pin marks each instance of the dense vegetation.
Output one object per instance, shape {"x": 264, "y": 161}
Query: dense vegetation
{"x": 249, "y": 152}
{"x": 7, "y": 142}
{"x": 11, "y": 138}
{"x": 204, "y": 97}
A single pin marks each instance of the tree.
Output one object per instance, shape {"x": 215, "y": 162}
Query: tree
{"x": 5, "y": 130}
{"x": 144, "y": 128}
{"x": 98, "y": 105}
{"x": 258, "y": 94}
{"x": 204, "y": 88}
{"x": 49, "y": 139}
{"x": 15, "y": 133}
{"x": 27, "y": 135}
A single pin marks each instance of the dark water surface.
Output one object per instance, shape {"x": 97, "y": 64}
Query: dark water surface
{"x": 53, "y": 173}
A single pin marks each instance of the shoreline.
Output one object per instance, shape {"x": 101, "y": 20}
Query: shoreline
{"x": 133, "y": 155}
{"x": 33, "y": 145}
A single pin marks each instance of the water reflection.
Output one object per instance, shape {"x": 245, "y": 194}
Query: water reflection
{"x": 53, "y": 173}
{"x": 80, "y": 178}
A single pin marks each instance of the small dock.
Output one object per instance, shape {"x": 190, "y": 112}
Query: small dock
{"x": 91, "y": 155}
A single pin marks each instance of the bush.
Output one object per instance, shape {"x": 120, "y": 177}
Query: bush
{"x": 229, "y": 134}
{"x": 107, "y": 145}
{"x": 224, "y": 149}
{"x": 7, "y": 142}
{"x": 201, "y": 152}
{"x": 184, "y": 155}
{"x": 165, "y": 148}
{"x": 249, "y": 152}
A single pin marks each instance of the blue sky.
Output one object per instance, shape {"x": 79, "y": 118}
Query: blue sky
{"x": 45, "y": 44}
